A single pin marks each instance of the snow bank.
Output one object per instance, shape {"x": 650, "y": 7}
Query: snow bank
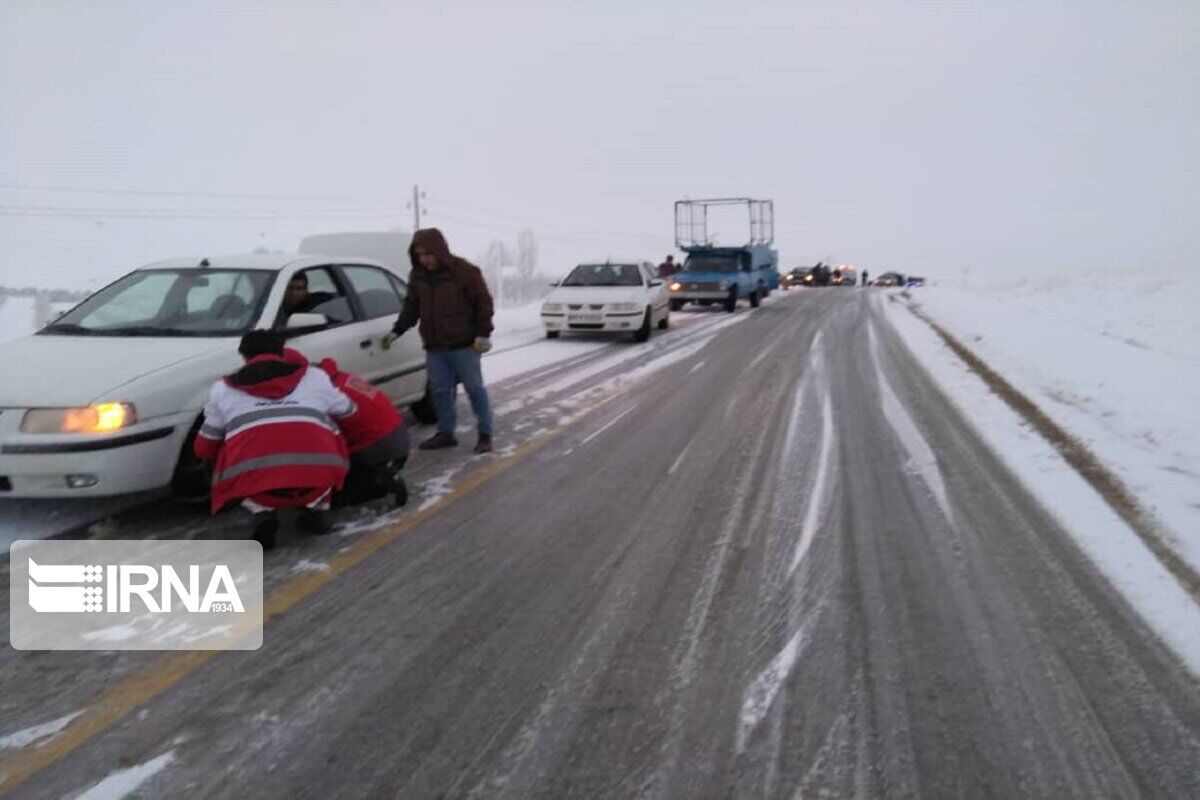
{"x": 1115, "y": 362}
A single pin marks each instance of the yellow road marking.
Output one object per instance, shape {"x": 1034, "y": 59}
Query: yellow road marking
{"x": 116, "y": 702}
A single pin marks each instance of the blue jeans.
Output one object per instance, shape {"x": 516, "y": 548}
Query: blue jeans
{"x": 446, "y": 370}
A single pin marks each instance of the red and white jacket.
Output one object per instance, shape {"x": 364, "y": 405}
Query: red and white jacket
{"x": 375, "y": 415}
{"x": 273, "y": 425}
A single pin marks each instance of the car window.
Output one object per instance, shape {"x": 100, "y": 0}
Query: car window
{"x": 604, "y": 275}
{"x": 649, "y": 272}
{"x": 400, "y": 286}
{"x": 376, "y": 294}
{"x": 324, "y": 296}
{"x": 171, "y": 302}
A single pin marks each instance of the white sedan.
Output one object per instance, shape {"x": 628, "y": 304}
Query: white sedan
{"x": 106, "y": 399}
{"x": 608, "y": 298}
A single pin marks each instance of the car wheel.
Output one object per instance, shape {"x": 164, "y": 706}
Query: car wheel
{"x": 754, "y": 299}
{"x": 643, "y": 333}
{"x": 424, "y": 409}
{"x": 552, "y": 334}
{"x": 192, "y": 480}
{"x": 665, "y": 322}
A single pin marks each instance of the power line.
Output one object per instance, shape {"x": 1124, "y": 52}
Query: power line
{"x": 150, "y": 213}
{"x": 219, "y": 195}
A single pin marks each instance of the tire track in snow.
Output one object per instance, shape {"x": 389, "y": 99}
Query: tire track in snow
{"x": 921, "y": 457}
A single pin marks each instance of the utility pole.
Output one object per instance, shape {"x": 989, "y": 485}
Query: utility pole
{"x": 415, "y": 205}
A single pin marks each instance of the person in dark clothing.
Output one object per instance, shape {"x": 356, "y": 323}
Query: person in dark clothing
{"x": 668, "y": 267}
{"x": 449, "y": 299}
{"x": 866, "y": 275}
{"x": 298, "y": 300}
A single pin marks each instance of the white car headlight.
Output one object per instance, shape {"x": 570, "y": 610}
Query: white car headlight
{"x": 623, "y": 307}
{"x": 676, "y": 286}
{"x": 552, "y": 306}
{"x": 100, "y": 418}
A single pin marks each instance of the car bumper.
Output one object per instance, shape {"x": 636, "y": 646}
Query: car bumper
{"x": 686, "y": 294}
{"x": 137, "y": 459}
{"x": 612, "y": 323}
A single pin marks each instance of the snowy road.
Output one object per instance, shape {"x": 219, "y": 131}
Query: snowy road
{"x": 763, "y": 556}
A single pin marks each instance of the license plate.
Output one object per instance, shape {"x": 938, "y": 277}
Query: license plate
{"x": 586, "y": 318}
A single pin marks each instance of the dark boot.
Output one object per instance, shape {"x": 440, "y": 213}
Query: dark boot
{"x": 315, "y": 521}
{"x": 484, "y": 445}
{"x": 438, "y": 441}
{"x": 266, "y": 529}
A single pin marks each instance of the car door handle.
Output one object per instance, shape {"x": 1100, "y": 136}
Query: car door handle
{"x": 365, "y": 343}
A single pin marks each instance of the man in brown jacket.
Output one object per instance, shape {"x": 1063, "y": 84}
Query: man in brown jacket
{"x": 449, "y": 298}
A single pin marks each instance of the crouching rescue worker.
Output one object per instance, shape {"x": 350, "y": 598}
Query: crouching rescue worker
{"x": 272, "y": 429}
{"x": 376, "y": 437}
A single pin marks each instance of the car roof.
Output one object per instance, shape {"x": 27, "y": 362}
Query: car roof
{"x": 273, "y": 262}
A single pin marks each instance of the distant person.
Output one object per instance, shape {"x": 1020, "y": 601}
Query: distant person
{"x": 449, "y": 298}
{"x": 271, "y": 429}
{"x": 668, "y": 268}
{"x": 866, "y": 276}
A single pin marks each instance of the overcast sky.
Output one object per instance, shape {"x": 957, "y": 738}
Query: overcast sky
{"x": 1002, "y": 136}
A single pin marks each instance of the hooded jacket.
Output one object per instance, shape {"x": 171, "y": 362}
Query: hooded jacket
{"x": 374, "y": 416}
{"x": 451, "y": 303}
{"x": 272, "y": 425}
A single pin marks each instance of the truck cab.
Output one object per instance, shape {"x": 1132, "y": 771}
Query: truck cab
{"x": 724, "y": 275}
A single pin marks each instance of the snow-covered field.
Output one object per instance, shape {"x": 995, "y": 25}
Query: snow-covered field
{"x": 1116, "y": 366}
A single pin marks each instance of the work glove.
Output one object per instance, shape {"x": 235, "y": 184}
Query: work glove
{"x": 482, "y": 344}
{"x": 388, "y": 338}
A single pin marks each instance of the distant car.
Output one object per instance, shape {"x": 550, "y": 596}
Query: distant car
{"x": 845, "y": 276}
{"x": 790, "y": 280}
{"x": 106, "y": 399}
{"x": 608, "y": 298}
{"x": 889, "y": 279}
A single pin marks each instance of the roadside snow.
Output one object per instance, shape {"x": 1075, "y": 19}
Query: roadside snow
{"x": 1115, "y": 549}
{"x": 16, "y": 317}
{"x": 1116, "y": 364}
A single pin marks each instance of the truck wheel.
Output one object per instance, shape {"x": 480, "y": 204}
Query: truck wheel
{"x": 643, "y": 333}
{"x": 552, "y": 334}
{"x": 677, "y": 304}
{"x": 665, "y": 322}
{"x": 731, "y": 301}
{"x": 424, "y": 409}
{"x": 754, "y": 299}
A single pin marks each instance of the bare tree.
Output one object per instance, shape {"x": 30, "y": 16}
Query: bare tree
{"x": 527, "y": 254}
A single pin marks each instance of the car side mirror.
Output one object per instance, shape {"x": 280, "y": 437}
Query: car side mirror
{"x": 303, "y": 322}
{"x": 656, "y": 282}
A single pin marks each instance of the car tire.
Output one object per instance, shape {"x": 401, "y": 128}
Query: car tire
{"x": 665, "y": 322}
{"x": 191, "y": 482}
{"x": 424, "y": 409}
{"x": 643, "y": 333}
{"x": 552, "y": 334}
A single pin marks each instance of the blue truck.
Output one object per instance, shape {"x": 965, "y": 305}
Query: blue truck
{"x": 718, "y": 274}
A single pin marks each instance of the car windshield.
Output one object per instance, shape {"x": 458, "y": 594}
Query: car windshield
{"x": 170, "y": 302}
{"x": 604, "y": 275}
{"x": 711, "y": 263}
